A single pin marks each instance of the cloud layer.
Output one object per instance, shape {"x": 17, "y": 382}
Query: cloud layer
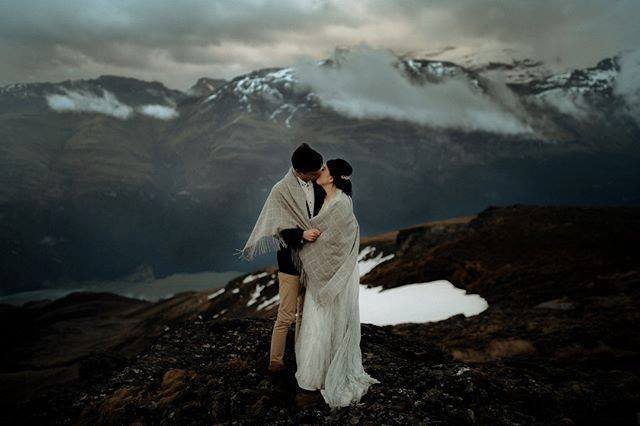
{"x": 177, "y": 42}
{"x": 107, "y": 104}
{"x": 368, "y": 85}
{"x": 76, "y": 101}
{"x": 628, "y": 82}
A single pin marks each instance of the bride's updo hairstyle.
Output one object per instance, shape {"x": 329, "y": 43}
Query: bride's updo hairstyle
{"x": 340, "y": 170}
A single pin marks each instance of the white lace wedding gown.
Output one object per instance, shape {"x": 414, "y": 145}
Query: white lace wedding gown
{"x": 327, "y": 350}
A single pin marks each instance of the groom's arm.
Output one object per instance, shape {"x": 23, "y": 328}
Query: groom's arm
{"x": 293, "y": 237}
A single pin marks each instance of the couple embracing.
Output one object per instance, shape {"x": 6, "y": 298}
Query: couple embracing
{"x": 308, "y": 218}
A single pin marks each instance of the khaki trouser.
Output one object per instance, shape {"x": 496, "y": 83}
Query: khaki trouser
{"x": 289, "y": 311}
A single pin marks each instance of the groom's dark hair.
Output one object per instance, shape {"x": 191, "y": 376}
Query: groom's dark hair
{"x": 306, "y": 159}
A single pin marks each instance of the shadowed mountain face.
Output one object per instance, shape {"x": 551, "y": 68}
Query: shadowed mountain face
{"x": 562, "y": 283}
{"x": 98, "y": 177}
{"x": 557, "y": 344}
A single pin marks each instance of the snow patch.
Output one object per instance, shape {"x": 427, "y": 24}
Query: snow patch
{"x": 462, "y": 370}
{"x": 256, "y": 294}
{"x": 222, "y": 312}
{"x": 275, "y": 299}
{"x": 264, "y": 86}
{"x": 250, "y": 277}
{"x": 365, "y": 266}
{"x": 216, "y": 294}
{"x": 420, "y": 302}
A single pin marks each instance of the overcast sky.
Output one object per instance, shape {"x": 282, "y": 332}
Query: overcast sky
{"x": 176, "y": 42}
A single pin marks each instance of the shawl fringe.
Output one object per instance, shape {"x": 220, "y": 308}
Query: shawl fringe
{"x": 263, "y": 245}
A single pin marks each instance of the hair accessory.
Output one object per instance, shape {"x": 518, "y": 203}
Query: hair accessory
{"x": 344, "y": 177}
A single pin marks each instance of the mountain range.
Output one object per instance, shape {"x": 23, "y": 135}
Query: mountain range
{"x": 101, "y": 176}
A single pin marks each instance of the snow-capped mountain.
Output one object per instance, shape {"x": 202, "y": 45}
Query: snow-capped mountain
{"x": 577, "y": 92}
{"x": 270, "y": 92}
{"x": 599, "y": 78}
{"x": 115, "y": 172}
{"x": 276, "y": 94}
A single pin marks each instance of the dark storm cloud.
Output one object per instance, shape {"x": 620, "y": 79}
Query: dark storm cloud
{"x": 177, "y": 42}
{"x": 145, "y": 35}
{"x": 576, "y": 32}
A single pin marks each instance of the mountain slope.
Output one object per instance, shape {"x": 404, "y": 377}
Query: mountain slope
{"x": 98, "y": 177}
{"x": 215, "y": 372}
{"x": 557, "y": 344}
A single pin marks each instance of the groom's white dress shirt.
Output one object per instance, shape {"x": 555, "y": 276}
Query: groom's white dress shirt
{"x": 307, "y": 187}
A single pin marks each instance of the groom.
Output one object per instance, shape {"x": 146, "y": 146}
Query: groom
{"x": 306, "y": 164}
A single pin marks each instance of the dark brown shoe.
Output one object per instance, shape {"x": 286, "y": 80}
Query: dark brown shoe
{"x": 277, "y": 368}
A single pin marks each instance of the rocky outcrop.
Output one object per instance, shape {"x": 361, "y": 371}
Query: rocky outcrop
{"x": 562, "y": 284}
{"x": 214, "y": 371}
{"x": 523, "y": 255}
{"x": 47, "y": 344}
{"x": 205, "y": 86}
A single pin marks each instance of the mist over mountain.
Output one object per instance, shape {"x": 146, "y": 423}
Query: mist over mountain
{"x": 100, "y": 176}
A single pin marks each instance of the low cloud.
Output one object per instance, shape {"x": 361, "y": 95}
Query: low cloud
{"x": 107, "y": 104}
{"x": 83, "y": 101}
{"x": 565, "y": 101}
{"x": 627, "y": 84}
{"x": 160, "y": 112}
{"x": 367, "y": 85}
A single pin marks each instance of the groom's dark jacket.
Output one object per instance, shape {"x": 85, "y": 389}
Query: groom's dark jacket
{"x": 293, "y": 236}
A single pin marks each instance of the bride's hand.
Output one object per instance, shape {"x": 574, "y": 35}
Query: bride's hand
{"x": 311, "y": 234}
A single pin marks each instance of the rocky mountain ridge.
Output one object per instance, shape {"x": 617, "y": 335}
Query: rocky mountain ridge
{"x": 558, "y": 343}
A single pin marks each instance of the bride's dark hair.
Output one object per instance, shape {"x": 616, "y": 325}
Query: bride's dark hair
{"x": 340, "y": 170}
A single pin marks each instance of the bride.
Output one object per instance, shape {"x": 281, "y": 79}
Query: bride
{"x": 327, "y": 349}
